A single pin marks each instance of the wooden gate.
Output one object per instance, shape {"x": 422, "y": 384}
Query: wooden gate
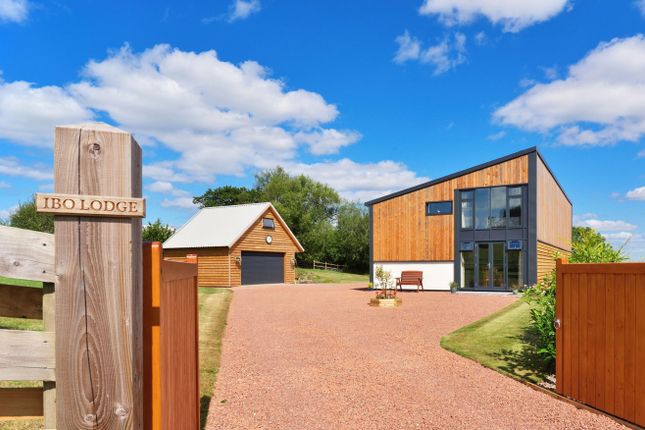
{"x": 600, "y": 336}
{"x": 171, "y": 341}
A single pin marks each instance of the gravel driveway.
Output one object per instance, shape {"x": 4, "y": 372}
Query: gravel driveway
{"x": 317, "y": 357}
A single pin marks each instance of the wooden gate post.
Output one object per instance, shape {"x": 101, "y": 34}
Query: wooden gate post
{"x": 99, "y": 286}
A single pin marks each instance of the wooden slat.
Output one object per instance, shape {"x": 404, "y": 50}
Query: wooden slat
{"x": 98, "y": 293}
{"x": 559, "y": 333}
{"x": 26, "y": 254}
{"x": 21, "y": 402}
{"x": 630, "y": 345}
{"x": 26, "y": 355}
{"x": 639, "y": 357}
{"x": 152, "y": 260}
{"x": 21, "y": 302}
{"x": 49, "y": 324}
{"x": 607, "y": 268}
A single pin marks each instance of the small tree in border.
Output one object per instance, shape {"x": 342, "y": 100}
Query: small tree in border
{"x": 384, "y": 278}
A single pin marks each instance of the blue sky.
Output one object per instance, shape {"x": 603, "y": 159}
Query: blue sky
{"x": 369, "y": 97}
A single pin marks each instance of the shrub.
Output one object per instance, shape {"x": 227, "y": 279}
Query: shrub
{"x": 541, "y": 297}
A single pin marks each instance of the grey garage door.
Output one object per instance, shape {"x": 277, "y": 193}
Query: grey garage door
{"x": 262, "y": 268}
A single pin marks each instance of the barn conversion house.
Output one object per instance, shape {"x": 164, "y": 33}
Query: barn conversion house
{"x": 237, "y": 245}
{"x": 493, "y": 227}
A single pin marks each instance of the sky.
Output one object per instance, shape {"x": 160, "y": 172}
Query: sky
{"x": 367, "y": 96}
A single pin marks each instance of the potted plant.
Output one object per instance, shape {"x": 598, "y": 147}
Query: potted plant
{"x": 454, "y": 287}
{"x": 385, "y": 294}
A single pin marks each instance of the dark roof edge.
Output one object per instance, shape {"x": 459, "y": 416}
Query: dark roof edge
{"x": 467, "y": 171}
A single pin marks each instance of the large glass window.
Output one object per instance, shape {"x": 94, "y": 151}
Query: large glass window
{"x": 515, "y": 207}
{"x": 467, "y": 269}
{"x": 467, "y": 214}
{"x": 482, "y": 208}
{"x": 498, "y": 207}
{"x": 515, "y": 269}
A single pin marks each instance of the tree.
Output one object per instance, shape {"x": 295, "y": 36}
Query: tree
{"x": 25, "y": 216}
{"x": 589, "y": 246}
{"x": 227, "y": 195}
{"x": 157, "y": 232}
{"x": 351, "y": 237}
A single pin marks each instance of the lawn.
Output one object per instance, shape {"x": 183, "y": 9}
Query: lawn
{"x": 318, "y": 276}
{"x": 213, "y": 311}
{"x": 502, "y": 341}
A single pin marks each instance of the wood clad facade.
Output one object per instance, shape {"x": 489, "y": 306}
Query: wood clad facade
{"x": 403, "y": 232}
{"x": 554, "y": 212}
{"x": 221, "y": 266}
{"x": 546, "y": 255}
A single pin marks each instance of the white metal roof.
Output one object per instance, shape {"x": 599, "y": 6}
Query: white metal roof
{"x": 221, "y": 226}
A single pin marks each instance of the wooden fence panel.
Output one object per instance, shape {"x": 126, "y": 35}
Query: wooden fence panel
{"x": 26, "y": 355}
{"x": 27, "y": 254}
{"x": 171, "y": 343}
{"x": 601, "y": 338}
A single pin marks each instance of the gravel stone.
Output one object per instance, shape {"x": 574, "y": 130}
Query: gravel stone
{"x": 318, "y": 357}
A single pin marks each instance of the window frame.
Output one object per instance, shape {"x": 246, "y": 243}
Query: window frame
{"x": 264, "y": 226}
{"x": 450, "y": 202}
{"x": 521, "y": 196}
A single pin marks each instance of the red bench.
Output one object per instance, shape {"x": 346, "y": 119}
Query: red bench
{"x": 410, "y": 277}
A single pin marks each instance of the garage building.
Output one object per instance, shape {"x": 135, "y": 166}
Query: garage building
{"x": 237, "y": 245}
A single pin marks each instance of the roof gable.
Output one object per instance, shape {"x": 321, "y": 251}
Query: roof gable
{"x": 221, "y": 226}
{"x": 465, "y": 172}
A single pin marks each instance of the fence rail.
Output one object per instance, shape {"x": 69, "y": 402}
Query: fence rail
{"x": 600, "y": 336}
{"x": 328, "y": 266}
{"x": 27, "y": 355}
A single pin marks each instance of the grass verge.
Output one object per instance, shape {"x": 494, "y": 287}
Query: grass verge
{"x": 213, "y": 312}
{"x": 319, "y": 276}
{"x": 502, "y": 341}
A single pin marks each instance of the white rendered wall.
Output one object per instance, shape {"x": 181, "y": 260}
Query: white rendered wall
{"x": 436, "y": 276}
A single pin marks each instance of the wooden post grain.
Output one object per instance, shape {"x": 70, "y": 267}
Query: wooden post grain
{"x": 98, "y": 289}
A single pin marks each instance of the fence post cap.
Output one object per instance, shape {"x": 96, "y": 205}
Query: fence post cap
{"x": 96, "y": 126}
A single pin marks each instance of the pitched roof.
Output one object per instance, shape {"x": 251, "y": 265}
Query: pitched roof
{"x": 221, "y": 226}
{"x": 467, "y": 171}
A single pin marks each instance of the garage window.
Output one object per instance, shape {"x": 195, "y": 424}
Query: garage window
{"x": 268, "y": 223}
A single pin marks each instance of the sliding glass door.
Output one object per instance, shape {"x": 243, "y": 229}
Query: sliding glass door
{"x": 490, "y": 266}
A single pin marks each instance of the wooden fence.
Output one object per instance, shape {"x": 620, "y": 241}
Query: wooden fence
{"x": 600, "y": 336}
{"x": 328, "y": 266}
{"x": 28, "y": 355}
{"x": 171, "y": 341}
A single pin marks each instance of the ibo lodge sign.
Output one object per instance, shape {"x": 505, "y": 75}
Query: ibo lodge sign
{"x": 81, "y": 205}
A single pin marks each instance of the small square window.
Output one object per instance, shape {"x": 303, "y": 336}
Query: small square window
{"x": 438, "y": 208}
{"x": 268, "y": 223}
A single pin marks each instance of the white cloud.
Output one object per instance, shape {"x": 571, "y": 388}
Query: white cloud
{"x": 328, "y": 141}
{"x": 600, "y": 102}
{"x": 640, "y": 4}
{"x": 496, "y": 136}
{"x": 604, "y": 225}
{"x": 636, "y": 194}
{"x": 178, "y": 198}
{"x": 445, "y": 55}
{"x": 409, "y": 48}
{"x": 242, "y": 9}
{"x": 13, "y": 10}
{"x": 4, "y": 185}
{"x": 11, "y": 166}
{"x": 481, "y": 38}
{"x": 28, "y": 114}
{"x": 360, "y": 181}
{"x": 512, "y": 15}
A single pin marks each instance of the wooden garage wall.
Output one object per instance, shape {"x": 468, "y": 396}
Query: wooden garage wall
{"x": 553, "y": 211}
{"x": 212, "y": 264}
{"x": 254, "y": 240}
{"x": 546, "y": 258}
{"x": 403, "y": 232}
